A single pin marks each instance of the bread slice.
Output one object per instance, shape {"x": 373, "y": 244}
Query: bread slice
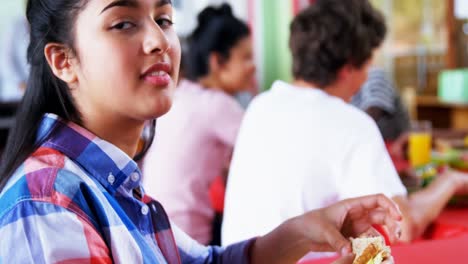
{"x": 370, "y": 250}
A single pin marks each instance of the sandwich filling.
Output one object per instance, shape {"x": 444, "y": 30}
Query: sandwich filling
{"x": 370, "y": 250}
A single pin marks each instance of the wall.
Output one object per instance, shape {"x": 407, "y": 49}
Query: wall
{"x": 9, "y": 9}
{"x": 187, "y": 10}
{"x": 275, "y": 63}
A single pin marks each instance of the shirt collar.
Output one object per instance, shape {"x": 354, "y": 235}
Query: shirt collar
{"x": 315, "y": 92}
{"x": 103, "y": 161}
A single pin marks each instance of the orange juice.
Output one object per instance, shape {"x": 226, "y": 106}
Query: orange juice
{"x": 419, "y": 148}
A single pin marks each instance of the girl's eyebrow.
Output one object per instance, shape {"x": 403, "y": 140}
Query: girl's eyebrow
{"x": 133, "y": 4}
{"x": 127, "y": 3}
{"x": 163, "y": 2}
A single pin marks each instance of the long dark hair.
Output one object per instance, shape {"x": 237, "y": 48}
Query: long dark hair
{"x": 218, "y": 31}
{"x": 49, "y": 21}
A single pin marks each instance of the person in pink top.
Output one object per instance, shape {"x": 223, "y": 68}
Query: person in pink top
{"x": 194, "y": 141}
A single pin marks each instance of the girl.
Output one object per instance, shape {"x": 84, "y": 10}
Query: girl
{"x": 69, "y": 189}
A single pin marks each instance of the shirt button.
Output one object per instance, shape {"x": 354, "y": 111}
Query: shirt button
{"x": 111, "y": 178}
{"x": 144, "y": 210}
{"x": 135, "y": 177}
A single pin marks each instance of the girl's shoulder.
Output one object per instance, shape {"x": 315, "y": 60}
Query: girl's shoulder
{"x": 48, "y": 179}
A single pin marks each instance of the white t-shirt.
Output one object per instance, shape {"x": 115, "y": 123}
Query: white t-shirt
{"x": 300, "y": 149}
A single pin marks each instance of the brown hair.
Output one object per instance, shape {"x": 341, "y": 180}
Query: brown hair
{"x": 332, "y": 33}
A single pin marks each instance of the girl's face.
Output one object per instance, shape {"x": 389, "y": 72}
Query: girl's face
{"x": 128, "y": 58}
{"x": 238, "y": 72}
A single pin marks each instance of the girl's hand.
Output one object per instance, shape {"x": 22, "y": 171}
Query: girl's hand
{"x": 326, "y": 229}
{"x": 329, "y": 228}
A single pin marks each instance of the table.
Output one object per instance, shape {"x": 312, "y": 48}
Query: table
{"x": 446, "y": 242}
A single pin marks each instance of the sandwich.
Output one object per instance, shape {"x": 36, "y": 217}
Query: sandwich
{"x": 370, "y": 250}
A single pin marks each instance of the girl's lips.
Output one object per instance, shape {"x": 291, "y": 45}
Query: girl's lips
{"x": 158, "y": 80}
{"x": 158, "y": 74}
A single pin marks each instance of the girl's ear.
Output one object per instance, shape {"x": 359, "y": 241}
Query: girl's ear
{"x": 60, "y": 61}
{"x": 215, "y": 62}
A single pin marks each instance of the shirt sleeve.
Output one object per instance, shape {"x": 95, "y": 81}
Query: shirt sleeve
{"x": 41, "y": 232}
{"x": 368, "y": 168}
{"x": 195, "y": 253}
{"x": 378, "y": 91}
{"x": 227, "y": 118}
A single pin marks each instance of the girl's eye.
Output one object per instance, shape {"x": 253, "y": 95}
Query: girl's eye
{"x": 123, "y": 25}
{"x": 164, "y": 22}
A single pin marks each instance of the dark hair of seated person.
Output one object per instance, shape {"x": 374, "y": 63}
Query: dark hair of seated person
{"x": 332, "y": 33}
{"x": 218, "y": 31}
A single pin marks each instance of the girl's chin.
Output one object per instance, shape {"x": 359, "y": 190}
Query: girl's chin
{"x": 161, "y": 109}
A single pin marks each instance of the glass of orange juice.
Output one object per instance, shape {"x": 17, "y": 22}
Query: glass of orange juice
{"x": 420, "y": 143}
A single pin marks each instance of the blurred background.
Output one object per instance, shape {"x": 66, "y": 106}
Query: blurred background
{"x": 10, "y": 10}
{"x": 425, "y": 52}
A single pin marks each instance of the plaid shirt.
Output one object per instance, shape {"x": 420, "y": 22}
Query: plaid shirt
{"x": 78, "y": 199}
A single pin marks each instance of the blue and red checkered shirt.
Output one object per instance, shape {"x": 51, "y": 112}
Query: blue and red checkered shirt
{"x": 78, "y": 199}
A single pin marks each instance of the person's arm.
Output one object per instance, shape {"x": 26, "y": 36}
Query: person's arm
{"x": 326, "y": 229}
{"x": 421, "y": 208}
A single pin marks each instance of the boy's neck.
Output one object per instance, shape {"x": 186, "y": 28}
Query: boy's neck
{"x": 335, "y": 89}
